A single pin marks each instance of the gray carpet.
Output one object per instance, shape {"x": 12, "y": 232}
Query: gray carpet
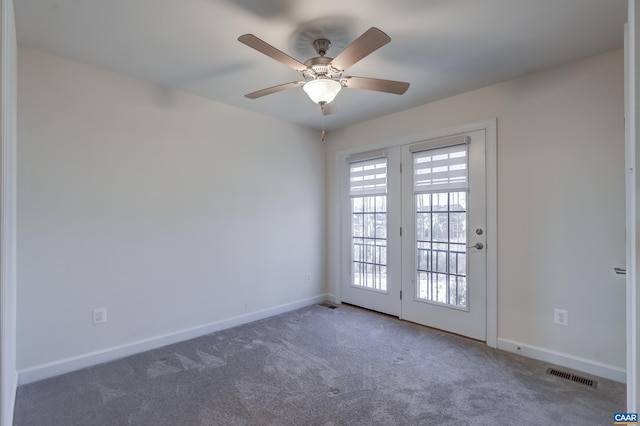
{"x": 319, "y": 366}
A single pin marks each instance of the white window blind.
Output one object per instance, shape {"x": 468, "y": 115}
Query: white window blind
{"x": 368, "y": 177}
{"x": 441, "y": 169}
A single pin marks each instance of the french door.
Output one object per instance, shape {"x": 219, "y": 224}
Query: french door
{"x": 444, "y": 252}
{"x": 371, "y": 277}
{"x": 416, "y": 243}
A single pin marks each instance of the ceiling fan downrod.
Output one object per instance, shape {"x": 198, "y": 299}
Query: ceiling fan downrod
{"x": 321, "y": 46}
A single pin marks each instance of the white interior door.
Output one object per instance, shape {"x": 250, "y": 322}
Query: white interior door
{"x": 631, "y": 37}
{"x": 444, "y": 242}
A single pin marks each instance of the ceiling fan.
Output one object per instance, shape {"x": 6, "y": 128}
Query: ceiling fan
{"x": 323, "y": 76}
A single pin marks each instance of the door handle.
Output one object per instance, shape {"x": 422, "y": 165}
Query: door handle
{"x": 478, "y": 246}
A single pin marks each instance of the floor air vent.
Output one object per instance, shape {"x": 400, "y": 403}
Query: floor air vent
{"x": 328, "y": 305}
{"x": 568, "y": 376}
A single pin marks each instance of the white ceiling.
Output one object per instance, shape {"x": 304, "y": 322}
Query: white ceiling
{"x": 442, "y": 47}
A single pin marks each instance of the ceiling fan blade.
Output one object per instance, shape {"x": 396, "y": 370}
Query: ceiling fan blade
{"x": 370, "y": 41}
{"x": 267, "y": 49}
{"x": 274, "y": 89}
{"x": 388, "y": 86}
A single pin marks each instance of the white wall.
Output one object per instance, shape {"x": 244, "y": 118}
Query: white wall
{"x": 560, "y": 204}
{"x": 8, "y": 87}
{"x": 176, "y": 213}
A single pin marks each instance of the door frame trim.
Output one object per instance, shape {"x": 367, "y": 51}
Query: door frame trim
{"x": 490, "y": 126}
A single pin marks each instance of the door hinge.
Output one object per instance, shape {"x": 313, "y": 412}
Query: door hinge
{"x": 401, "y": 231}
{"x": 400, "y": 294}
{"x": 400, "y": 167}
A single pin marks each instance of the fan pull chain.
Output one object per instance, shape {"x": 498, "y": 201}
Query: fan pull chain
{"x": 323, "y": 134}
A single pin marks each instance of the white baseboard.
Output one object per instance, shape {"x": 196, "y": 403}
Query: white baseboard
{"x": 332, "y": 298}
{"x": 55, "y": 368}
{"x": 566, "y": 360}
{"x": 9, "y": 400}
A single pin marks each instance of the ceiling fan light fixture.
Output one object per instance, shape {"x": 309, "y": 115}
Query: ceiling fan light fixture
{"x": 322, "y": 91}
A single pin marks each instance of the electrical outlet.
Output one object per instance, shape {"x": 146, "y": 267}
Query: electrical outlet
{"x": 561, "y": 317}
{"x": 99, "y": 316}
{"x": 308, "y": 277}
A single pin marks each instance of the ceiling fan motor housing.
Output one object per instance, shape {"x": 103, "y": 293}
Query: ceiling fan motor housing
{"x": 320, "y": 67}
